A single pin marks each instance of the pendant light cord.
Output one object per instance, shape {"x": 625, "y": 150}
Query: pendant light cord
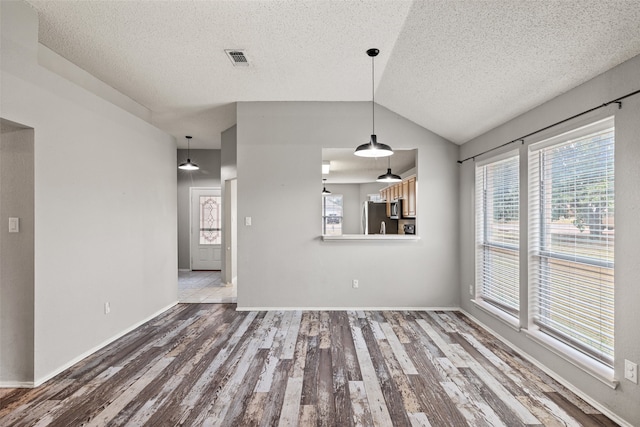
{"x": 373, "y": 94}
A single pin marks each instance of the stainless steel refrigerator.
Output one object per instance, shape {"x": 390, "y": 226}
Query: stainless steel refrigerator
{"x": 373, "y": 216}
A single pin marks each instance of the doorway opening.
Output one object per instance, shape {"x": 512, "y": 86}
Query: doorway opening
{"x": 204, "y": 287}
{"x": 203, "y": 282}
{"x": 17, "y": 259}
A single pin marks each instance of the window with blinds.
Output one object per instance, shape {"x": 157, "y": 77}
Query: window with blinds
{"x": 332, "y": 214}
{"x": 571, "y": 238}
{"x": 497, "y": 234}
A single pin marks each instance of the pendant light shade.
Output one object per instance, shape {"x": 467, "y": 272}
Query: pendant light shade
{"x": 389, "y": 177}
{"x": 188, "y": 165}
{"x": 373, "y": 148}
{"x": 325, "y": 192}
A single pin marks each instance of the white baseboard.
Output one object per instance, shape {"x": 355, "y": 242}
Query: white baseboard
{"x": 230, "y": 284}
{"x": 120, "y": 334}
{"x": 184, "y": 269}
{"x": 551, "y": 373}
{"x": 233, "y": 282}
{"x": 16, "y": 384}
{"x": 347, "y": 308}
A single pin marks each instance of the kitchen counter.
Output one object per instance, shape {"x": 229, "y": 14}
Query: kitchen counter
{"x": 372, "y": 237}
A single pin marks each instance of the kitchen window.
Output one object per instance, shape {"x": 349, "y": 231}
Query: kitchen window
{"x": 332, "y": 214}
{"x": 571, "y": 239}
{"x": 498, "y": 235}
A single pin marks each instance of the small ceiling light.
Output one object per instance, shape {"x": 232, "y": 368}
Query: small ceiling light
{"x": 324, "y": 189}
{"x": 373, "y": 148}
{"x": 326, "y": 167}
{"x": 188, "y": 165}
{"x": 389, "y": 177}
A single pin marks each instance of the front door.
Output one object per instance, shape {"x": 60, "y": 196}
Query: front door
{"x": 206, "y": 229}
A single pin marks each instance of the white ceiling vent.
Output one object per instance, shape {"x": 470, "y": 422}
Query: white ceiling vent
{"x": 238, "y": 57}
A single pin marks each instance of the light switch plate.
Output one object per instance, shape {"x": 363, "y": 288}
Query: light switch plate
{"x": 14, "y": 225}
{"x": 631, "y": 371}
{"x": 247, "y": 221}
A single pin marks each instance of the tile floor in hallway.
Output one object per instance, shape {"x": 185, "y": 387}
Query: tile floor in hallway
{"x": 204, "y": 287}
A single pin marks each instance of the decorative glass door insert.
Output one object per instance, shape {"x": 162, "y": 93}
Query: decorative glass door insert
{"x": 210, "y": 223}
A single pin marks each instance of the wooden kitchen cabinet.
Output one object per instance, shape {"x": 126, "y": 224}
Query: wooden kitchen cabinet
{"x": 404, "y": 195}
{"x": 405, "y": 190}
{"x": 385, "y": 193}
{"x": 411, "y": 196}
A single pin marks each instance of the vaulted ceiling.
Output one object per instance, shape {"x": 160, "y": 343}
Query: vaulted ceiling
{"x": 457, "y": 68}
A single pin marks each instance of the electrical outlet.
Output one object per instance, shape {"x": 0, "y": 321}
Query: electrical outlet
{"x": 107, "y": 308}
{"x": 471, "y": 290}
{"x": 14, "y": 225}
{"x": 354, "y": 283}
{"x": 631, "y": 371}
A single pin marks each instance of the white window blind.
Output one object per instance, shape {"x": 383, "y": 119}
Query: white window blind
{"x": 497, "y": 234}
{"x": 571, "y": 238}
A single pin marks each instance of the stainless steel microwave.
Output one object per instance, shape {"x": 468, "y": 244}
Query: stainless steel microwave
{"x": 396, "y": 209}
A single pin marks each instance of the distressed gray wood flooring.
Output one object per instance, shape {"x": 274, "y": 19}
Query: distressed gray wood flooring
{"x": 205, "y": 364}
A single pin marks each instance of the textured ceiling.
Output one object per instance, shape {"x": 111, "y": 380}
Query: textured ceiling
{"x": 457, "y": 68}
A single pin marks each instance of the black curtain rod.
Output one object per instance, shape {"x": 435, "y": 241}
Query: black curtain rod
{"x": 521, "y": 139}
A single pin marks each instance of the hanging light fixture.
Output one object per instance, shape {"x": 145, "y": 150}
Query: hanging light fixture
{"x": 373, "y": 148}
{"x": 389, "y": 177}
{"x": 324, "y": 189}
{"x": 188, "y": 165}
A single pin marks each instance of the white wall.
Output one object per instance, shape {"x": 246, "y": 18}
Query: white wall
{"x": 351, "y": 206}
{"x": 207, "y": 176}
{"x": 229, "y": 154}
{"x": 16, "y": 256}
{"x": 105, "y": 204}
{"x": 615, "y": 83}
{"x": 281, "y": 260}
{"x": 228, "y": 175}
{"x": 371, "y": 188}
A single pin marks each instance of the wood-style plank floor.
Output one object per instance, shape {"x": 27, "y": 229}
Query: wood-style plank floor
{"x": 205, "y": 364}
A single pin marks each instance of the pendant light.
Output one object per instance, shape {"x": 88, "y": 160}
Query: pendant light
{"x": 188, "y": 165}
{"x": 389, "y": 177}
{"x": 373, "y": 148}
{"x": 325, "y": 192}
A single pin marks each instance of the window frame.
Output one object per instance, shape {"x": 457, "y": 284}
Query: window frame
{"x": 482, "y": 242}
{"x": 540, "y": 254}
{"x": 325, "y": 216}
